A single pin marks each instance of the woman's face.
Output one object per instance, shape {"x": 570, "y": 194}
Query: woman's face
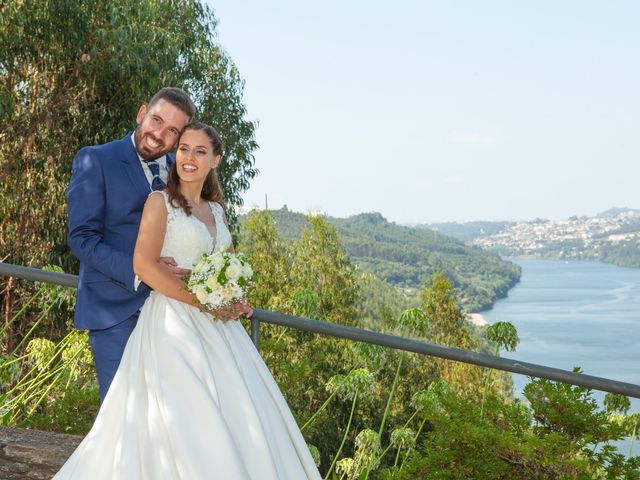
{"x": 195, "y": 157}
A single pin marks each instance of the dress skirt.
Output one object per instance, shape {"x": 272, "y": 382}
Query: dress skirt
{"x": 192, "y": 399}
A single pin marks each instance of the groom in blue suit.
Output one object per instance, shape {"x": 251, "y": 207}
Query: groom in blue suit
{"x": 109, "y": 186}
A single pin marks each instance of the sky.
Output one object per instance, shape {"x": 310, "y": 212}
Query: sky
{"x": 435, "y": 111}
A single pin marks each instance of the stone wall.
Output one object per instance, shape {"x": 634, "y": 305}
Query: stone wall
{"x": 32, "y": 454}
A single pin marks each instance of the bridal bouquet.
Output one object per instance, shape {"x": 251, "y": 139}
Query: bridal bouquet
{"x": 219, "y": 279}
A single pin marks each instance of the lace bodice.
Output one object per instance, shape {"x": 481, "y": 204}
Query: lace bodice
{"x": 187, "y": 238}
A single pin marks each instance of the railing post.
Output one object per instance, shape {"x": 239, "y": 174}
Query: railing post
{"x": 255, "y": 332}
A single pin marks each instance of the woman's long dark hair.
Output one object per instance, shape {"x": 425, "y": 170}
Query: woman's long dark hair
{"x": 211, "y": 190}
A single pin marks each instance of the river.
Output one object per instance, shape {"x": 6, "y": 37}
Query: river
{"x": 576, "y": 313}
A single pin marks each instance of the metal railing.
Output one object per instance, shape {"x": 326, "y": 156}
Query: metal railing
{"x": 377, "y": 338}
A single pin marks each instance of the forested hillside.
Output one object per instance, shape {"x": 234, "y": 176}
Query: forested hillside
{"x": 407, "y": 257}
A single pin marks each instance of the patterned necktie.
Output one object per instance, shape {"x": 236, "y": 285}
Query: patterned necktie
{"x": 156, "y": 183}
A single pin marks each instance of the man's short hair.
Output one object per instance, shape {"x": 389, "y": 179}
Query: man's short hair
{"x": 177, "y": 97}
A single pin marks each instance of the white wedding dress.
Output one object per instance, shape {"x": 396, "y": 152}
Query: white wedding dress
{"x": 192, "y": 398}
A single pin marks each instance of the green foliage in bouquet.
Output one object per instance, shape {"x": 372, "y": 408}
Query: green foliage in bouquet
{"x": 220, "y": 278}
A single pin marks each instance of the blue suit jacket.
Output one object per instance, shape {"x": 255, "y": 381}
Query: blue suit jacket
{"x": 105, "y": 199}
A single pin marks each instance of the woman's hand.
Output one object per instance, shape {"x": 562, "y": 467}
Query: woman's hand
{"x": 233, "y": 312}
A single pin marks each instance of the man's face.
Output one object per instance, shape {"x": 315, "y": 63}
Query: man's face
{"x": 158, "y": 129}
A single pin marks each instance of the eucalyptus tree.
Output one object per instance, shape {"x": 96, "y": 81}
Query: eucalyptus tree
{"x": 449, "y": 326}
{"x": 321, "y": 264}
{"x": 270, "y": 257}
{"x": 74, "y": 74}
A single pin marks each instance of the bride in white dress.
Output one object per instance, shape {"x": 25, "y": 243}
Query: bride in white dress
{"x": 192, "y": 398}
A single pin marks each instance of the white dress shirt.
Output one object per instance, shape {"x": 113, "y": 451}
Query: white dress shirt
{"x": 164, "y": 175}
{"x": 162, "y": 161}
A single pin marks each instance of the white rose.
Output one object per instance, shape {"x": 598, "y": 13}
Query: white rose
{"x": 201, "y": 294}
{"x": 217, "y": 260}
{"x": 214, "y": 299}
{"x": 227, "y": 294}
{"x": 237, "y": 291}
{"x": 212, "y": 282}
{"x": 200, "y": 264}
{"x": 247, "y": 271}
{"x": 233, "y": 272}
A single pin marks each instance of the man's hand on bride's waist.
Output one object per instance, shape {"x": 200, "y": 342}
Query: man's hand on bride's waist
{"x": 170, "y": 264}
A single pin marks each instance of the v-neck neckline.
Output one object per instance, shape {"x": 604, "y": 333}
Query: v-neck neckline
{"x": 204, "y": 225}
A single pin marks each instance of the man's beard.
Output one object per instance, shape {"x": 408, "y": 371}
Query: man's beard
{"x": 138, "y": 136}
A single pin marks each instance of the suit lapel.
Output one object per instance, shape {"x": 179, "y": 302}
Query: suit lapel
{"x": 133, "y": 167}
